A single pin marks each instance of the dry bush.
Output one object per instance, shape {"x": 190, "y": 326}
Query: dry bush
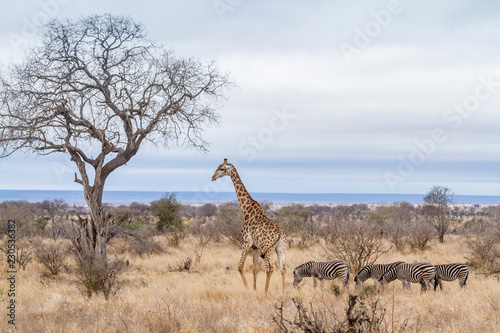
{"x": 24, "y": 252}
{"x": 145, "y": 246}
{"x": 207, "y": 210}
{"x": 205, "y": 230}
{"x": 483, "y": 241}
{"x": 295, "y": 316}
{"x": 393, "y": 221}
{"x": 299, "y": 220}
{"x": 121, "y": 214}
{"x": 420, "y": 233}
{"x": 136, "y": 244}
{"x": 23, "y": 213}
{"x": 95, "y": 276}
{"x": 229, "y": 222}
{"x": 356, "y": 242}
{"x": 175, "y": 238}
{"x": 403, "y": 226}
{"x": 52, "y": 256}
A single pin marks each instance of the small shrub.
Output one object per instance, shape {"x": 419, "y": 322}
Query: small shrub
{"x": 24, "y": 255}
{"x": 335, "y": 289}
{"x": 96, "y": 276}
{"x": 368, "y": 291}
{"x": 52, "y": 256}
{"x": 167, "y": 209}
{"x": 40, "y": 223}
{"x": 132, "y": 225}
{"x": 176, "y": 237}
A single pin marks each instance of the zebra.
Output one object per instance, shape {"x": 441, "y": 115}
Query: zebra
{"x": 451, "y": 272}
{"x": 322, "y": 270}
{"x": 415, "y": 273}
{"x": 373, "y": 271}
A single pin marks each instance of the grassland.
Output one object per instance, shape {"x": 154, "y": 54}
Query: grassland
{"x": 212, "y": 298}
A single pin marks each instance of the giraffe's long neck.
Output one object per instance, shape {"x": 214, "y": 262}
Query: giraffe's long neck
{"x": 247, "y": 204}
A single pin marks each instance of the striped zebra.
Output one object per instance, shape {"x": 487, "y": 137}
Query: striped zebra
{"x": 322, "y": 270}
{"x": 451, "y": 272}
{"x": 415, "y": 273}
{"x": 373, "y": 272}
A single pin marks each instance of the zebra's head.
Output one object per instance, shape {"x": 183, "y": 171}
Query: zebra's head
{"x": 301, "y": 271}
{"x": 363, "y": 275}
{"x": 389, "y": 276}
{"x": 224, "y": 169}
{"x": 296, "y": 278}
{"x": 382, "y": 280}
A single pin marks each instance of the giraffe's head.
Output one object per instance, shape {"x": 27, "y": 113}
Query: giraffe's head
{"x": 224, "y": 169}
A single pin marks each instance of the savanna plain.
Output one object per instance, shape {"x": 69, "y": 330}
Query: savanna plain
{"x": 185, "y": 279}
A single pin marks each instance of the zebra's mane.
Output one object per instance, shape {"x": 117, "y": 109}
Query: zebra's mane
{"x": 305, "y": 264}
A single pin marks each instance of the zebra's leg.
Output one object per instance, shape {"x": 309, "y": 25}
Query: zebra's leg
{"x": 314, "y": 280}
{"x": 406, "y": 285}
{"x": 463, "y": 280}
{"x": 427, "y": 286}
{"x": 269, "y": 268}
{"x": 256, "y": 256}
{"x": 244, "y": 253}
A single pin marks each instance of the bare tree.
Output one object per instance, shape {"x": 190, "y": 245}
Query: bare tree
{"x": 97, "y": 89}
{"x": 437, "y": 199}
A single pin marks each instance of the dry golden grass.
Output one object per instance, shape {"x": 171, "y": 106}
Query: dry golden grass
{"x": 155, "y": 299}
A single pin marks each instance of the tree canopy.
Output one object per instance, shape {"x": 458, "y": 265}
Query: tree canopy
{"x": 97, "y": 89}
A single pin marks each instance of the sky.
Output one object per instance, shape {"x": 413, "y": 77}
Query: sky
{"x": 331, "y": 96}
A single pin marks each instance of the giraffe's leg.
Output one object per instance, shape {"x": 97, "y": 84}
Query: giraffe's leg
{"x": 280, "y": 253}
{"x": 269, "y": 268}
{"x": 244, "y": 253}
{"x": 256, "y": 256}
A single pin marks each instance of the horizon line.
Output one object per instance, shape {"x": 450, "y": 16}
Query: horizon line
{"x": 256, "y": 192}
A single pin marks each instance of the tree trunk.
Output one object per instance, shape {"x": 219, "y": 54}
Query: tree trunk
{"x": 90, "y": 244}
{"x": 441, "y": 236}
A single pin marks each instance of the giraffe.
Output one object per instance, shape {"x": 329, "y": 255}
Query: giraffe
{"x": 260, "y": 234}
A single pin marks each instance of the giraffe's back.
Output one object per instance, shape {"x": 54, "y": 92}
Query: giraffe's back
{"x": 263, "y": 231}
